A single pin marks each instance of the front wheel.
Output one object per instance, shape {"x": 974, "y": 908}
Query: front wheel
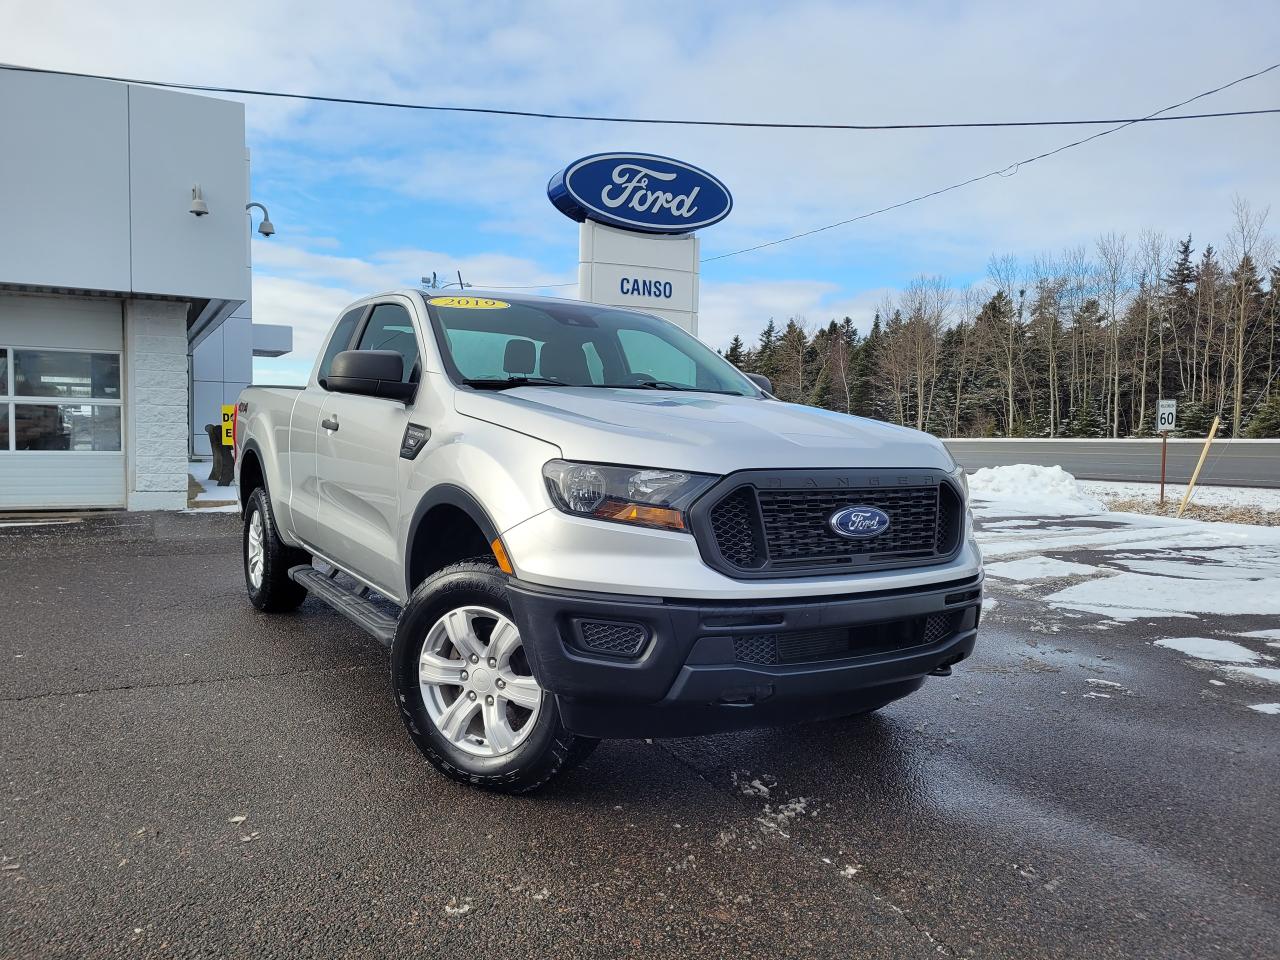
{"x": 267, "y": 559}
{"x": 465, "y": 689}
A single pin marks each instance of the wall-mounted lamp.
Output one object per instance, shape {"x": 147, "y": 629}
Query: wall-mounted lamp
{"x": 198, "y": 207}
{"x": 266, "y": 228}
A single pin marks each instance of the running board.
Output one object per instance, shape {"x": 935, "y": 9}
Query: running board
{"x": 360, "y": 611}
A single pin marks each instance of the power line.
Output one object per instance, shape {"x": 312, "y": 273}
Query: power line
{"x": 1006, "y": 171}
{"x": 662, "y": 121}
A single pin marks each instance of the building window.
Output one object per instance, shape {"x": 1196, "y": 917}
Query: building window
{"x": 59, "y": 400}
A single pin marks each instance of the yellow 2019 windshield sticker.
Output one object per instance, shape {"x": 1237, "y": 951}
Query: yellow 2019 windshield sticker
{"x": 469, "y": 303}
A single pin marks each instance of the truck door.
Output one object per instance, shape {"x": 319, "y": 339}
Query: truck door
{"x": 358, "y": 461}
{"x": 304, "y": 430}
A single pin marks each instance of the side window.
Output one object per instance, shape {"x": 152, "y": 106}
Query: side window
{"x": 654, "y": 357}
{"x": 340, "y": 340}
{"x": 391, "y": 328}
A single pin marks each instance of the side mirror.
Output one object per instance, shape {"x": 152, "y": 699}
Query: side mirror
{"x": 370, "y": 373}
{"x": 763, "y": 382}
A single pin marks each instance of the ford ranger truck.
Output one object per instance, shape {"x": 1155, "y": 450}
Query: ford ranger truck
{"x": 571, "y": 522}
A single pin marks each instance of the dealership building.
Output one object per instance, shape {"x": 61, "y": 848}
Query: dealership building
{"x": 125, "y": 281}
{"x": 125, "y": 303}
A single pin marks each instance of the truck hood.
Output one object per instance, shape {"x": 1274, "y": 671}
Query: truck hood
{"x": 699, "y": 432}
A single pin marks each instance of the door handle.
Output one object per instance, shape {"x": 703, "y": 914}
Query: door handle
{"x": 329, "y": 423}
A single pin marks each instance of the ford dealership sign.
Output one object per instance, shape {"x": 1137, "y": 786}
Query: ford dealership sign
{"x": 640, "y": 191}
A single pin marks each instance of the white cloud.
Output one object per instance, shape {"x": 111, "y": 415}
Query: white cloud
{"x": 816, "y": 61}
{"x": 307, "y": 289}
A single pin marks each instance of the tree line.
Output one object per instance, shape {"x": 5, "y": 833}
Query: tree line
{"x": 1078, "y": 344}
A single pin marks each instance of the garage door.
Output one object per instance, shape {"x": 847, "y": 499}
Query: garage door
{"x": 61, "y": 403}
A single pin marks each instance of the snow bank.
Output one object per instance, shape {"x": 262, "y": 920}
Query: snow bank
{"x": 1028, "y": 488}
{"x": 1261, "y": 498}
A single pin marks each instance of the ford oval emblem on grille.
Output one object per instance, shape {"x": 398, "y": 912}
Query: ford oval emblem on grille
{"x": 859, "y": 523}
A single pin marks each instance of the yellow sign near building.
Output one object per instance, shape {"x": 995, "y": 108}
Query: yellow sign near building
{"x": 228, "y": 424}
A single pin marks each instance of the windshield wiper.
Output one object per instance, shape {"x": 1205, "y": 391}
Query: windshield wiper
{"x": 504, "y": 383}
{"x": 665, "y": 385}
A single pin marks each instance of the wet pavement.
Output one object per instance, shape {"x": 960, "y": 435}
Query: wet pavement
{"x": 1072, "y": 791}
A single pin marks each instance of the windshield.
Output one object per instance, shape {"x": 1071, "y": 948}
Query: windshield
{"x": 507, "y": 342}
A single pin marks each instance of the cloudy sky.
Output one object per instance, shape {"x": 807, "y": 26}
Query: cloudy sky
{"x": 367, "y": 198}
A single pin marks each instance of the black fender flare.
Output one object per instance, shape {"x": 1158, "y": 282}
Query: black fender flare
{"x": 251, "y": 446}
{"x": 444, "y": 494}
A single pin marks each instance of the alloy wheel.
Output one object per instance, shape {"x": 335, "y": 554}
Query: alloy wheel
{"x": 476, "y": 683}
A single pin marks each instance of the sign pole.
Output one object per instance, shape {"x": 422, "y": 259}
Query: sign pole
{"x": 1164, "y": 454}
{"x": 1166, "y": 419}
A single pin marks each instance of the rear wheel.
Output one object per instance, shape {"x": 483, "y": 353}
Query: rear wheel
{"x": 466, "y": 691}
{"x": 267, "y": 559}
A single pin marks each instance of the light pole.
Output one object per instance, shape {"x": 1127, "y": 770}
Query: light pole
{"x": 266, "y": 228}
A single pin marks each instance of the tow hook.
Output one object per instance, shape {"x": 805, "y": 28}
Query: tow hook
{"x": 944, "y": 669}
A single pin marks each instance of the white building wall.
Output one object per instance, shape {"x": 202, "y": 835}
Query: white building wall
{"x": 95, "y": 189}
{"x": 64, "y": 182}
{"x": 156, "y": 404}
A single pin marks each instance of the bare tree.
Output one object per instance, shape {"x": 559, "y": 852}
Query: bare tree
{"x": 1009, "y": 277}
{"x": 1114, "y": 280}
{"x": 1245, "y": 246}
{"x": 1153, "y": 255}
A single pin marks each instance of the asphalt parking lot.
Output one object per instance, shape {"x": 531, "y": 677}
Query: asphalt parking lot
{"x": 184, "y": 776}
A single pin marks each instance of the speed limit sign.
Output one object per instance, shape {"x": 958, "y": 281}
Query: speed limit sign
{"x": 1167, "y": 416}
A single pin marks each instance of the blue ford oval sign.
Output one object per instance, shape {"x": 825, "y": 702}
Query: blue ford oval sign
{"x": 640, "y": 191}
{"x": 859, "y": 523}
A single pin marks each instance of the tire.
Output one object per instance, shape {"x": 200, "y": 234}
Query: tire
{"x": 267, "y": 581}
{"x": 481, "y": 724}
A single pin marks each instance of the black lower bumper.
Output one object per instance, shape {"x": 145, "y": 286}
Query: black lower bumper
{"x": 706, "y": 667}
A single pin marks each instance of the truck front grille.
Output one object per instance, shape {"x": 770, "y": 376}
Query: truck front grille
{"x": 809, "y": 646}
{"x": 759, "y": 530}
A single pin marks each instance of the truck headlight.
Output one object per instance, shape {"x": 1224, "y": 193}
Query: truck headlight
{"x": 642, "y": 496}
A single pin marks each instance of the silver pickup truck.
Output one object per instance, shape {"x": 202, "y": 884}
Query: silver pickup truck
{"x": 571, "y": 522}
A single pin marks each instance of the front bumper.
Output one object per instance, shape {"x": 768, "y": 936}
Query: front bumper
{"x": 695, "y": 673}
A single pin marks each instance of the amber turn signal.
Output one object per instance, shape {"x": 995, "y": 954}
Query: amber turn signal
{"x": 500, "y": 554}
{"x": 662, "y": 517}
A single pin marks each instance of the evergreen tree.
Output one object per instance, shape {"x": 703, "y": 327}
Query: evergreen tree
{"x": 1265, "y": 422}
{"x": 864, "y": 374}
{"x": 766, "y": 354}
{"x": 737, "y": 354}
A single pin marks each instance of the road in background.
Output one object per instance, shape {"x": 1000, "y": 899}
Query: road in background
{"x": 184, "y": 776}
{"x": 1232, "y": 463}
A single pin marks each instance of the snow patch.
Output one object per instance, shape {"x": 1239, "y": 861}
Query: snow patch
{"x": 1129, "y": 596}
{"x": 1270, "y": 708}
{"x": 1206, "y": 496}
{"x": 1038, "y": 568}
{"x": 1206, "y": 648}
{"x": 209, "y": 490}
{"x": 1262, "y": 673}
{"x": 1261, "y": 634}
{"x": 1029, "y": 488}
